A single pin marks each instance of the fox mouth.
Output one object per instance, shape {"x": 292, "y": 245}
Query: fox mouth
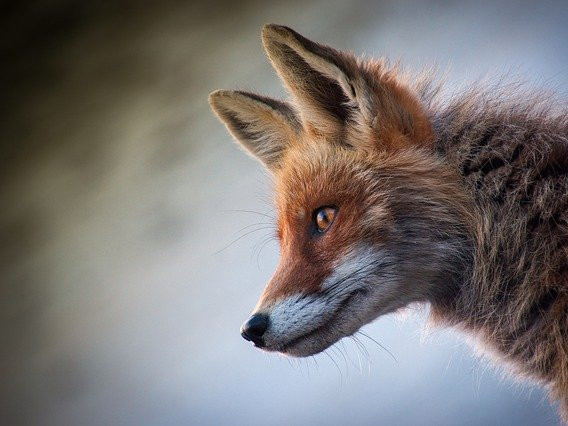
{"x": 326, "y": 331}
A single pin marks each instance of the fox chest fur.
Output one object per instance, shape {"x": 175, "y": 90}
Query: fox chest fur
{"x": 387, "y": 196}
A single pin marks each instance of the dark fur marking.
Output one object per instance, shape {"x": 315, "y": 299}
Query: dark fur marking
{"x": 329, "y": 94}
{"x": 540, "y": 307}
{"x": 477, "y": 147}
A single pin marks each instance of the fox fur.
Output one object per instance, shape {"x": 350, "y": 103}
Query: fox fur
{"x": 462, "y": 204}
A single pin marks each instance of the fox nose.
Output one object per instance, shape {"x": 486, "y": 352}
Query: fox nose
{"x": 254, "y": 328}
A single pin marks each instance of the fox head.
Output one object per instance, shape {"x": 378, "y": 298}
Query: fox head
{"x": 370, "y": 218}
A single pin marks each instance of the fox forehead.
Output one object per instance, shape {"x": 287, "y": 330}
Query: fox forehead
{"x": 317, "y": 173}
{"x": 322, "y": 174}
{"x": 308, "y": 179}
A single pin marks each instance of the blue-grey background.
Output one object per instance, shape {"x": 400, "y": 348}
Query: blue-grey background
{"x": 120, "y": 293}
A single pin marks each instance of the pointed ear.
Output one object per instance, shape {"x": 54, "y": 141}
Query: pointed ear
{"x": 326, "y": 83}
{"x": 332, "y": 88}
{"x": 263, "y": 126}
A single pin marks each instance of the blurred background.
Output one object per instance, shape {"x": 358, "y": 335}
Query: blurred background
{"x": 123, "y": 275}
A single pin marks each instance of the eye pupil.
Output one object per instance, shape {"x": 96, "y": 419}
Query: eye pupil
{"x": 324, "y": 217}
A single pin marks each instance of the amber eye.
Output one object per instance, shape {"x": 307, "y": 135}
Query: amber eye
{"x": 324, "y": 217}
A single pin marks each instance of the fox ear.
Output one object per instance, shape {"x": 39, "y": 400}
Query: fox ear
{"x": 326, "y": 83}
{"x": 332, "y": 88}
{"x": 263, "y": 126}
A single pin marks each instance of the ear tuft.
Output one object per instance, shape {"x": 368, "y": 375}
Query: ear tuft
{"x": 318, "y": 76}
{"x": 263, "y": 126}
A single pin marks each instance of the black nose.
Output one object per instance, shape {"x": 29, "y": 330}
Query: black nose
{"x": 254, "y": 328}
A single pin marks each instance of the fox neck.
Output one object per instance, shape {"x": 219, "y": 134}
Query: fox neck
{"x": 514, "y": 295}
{"x": 520, "y": 232}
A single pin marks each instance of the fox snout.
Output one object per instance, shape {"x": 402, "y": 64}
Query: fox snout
{"x": 304, "y": 322}
{"x": 253, "y": 329}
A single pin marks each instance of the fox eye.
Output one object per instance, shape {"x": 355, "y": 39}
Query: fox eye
{"x": 323, "y": 217}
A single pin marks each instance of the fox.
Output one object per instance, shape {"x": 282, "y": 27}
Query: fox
{"x": 387, "y": 195}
